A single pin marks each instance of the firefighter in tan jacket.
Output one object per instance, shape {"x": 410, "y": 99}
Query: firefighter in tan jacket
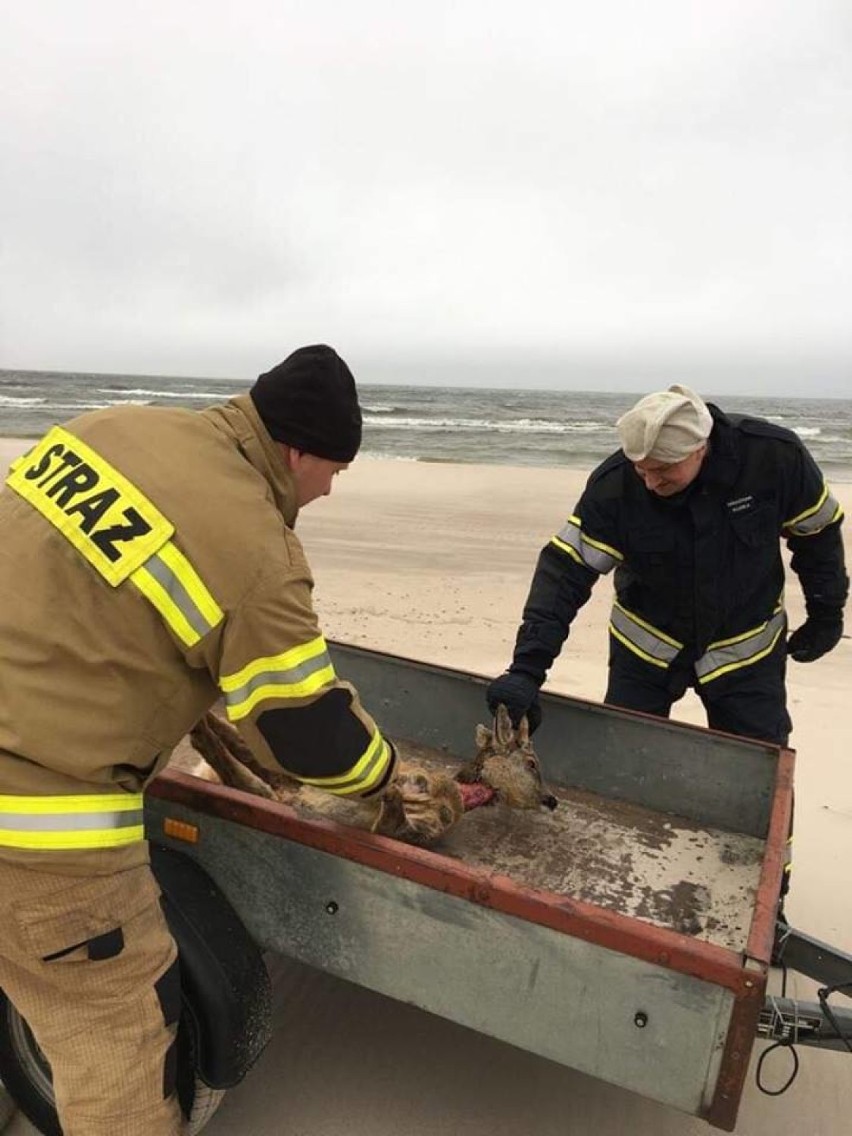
{"x": 148, "y": 567}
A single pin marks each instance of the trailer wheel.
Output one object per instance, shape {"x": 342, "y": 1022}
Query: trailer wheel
{"x": 25, "y": 1072}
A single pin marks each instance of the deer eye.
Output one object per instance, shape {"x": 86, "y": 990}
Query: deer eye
{"x": 531, "y": 763}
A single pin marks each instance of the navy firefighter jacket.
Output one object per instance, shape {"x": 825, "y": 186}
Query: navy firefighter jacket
{"x": 699, "y": 573}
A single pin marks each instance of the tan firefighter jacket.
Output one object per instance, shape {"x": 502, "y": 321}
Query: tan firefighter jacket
{"x": 148, "y": 567}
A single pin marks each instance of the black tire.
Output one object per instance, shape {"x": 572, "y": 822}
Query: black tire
{"x": 25, "y": 1072}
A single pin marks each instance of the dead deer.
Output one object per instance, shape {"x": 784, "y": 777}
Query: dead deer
{"x": 418, "y": 807}
{"x": 506, "y": 762}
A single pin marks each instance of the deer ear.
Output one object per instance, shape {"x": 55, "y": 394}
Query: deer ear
{"x": 483, "y": 737}
{"x": 523, "y": 735}
{"x": 503, "y": 732}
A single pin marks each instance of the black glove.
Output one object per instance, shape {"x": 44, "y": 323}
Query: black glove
{"x": 820, "y": 632}
{"x": 519, "y": 694}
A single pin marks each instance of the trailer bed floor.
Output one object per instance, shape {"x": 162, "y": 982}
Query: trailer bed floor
{"x": 619, "y": 856}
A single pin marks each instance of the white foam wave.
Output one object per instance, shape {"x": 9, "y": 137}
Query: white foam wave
{"x": 513, "y": 426}
{"x": 14, "y": 400}
{"x": 807, "y": 431}
{"x": 83, "y": 407}
{"x": 142, "y": 392}
{"x": 378, "y": 408}
{"x": 384, "y": 456}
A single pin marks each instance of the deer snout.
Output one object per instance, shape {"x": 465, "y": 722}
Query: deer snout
{"x": 549, "y": 801}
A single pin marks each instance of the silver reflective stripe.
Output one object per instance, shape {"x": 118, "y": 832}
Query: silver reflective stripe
{"x": 741, "y": 651}
{"x": 279, "y": 678}
{"x": 642, "y": 638}
{"x": 594, "y": 554}
{"x": 815, "y": 519}
{"x": 177, "y": 593}
{"x": 69, "y": 822}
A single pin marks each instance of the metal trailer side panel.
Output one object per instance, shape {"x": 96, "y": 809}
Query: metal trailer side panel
{"x": 627, "y": 1021}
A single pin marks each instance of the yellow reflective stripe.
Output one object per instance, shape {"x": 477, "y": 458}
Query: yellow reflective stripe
{"x": 174, "y": 559}
{"x": 642, "y": 638}
{"x": 599, "y": 544}
{"x": 825, "y": 512}
{"x": 285, "y": 661}
{"x": 743, "y": 650}
{"x": 567, "y": 548}
{"x": 310, "y": 686}
{"x": 103, "y": 515}
{"x": 743, "y": 662}
{"x": 649, "y": 627}
{"x": 636, "y": 650}
{"x": 808, "y": 512}
{"x": 76, "y": 821}
{"x": 71, "y": 841}
{"x": 156, "y": 594}
{"x": 79, "y": 803}
{"x": 368, "y": 771}
{"x": 297, "y": 673}
{"x": 593, "y": 554}
{"x": 171, "y": 584}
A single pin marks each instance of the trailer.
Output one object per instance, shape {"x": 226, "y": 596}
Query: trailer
{"x": 632, "y": 943}
{"x": 629, "y": 934}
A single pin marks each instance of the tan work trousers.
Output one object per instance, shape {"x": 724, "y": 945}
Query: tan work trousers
{"x": 91, "y": 964}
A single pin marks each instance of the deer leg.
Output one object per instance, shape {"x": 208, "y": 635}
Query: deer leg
{"x": 282, "y": 783}
{"x": 230, "y": 770}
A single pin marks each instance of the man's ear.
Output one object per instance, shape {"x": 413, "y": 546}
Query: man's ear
{"x": 292, "y": 456}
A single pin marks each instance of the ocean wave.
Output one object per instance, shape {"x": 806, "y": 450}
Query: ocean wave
{"x": 14, "y": 400}
{"x": 385, "y": 456}
{"x": 379, "y": 409}
{"x": 142, "y": 392}
{"x": 787, "y": 421}
{"x": 84, "y": 407}
{"x": 512, "y": 426}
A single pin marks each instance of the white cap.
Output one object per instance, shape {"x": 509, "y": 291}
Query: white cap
{"x": 666, "y": 426}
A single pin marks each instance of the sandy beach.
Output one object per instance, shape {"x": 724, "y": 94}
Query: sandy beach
{"x": 433, "y": 561}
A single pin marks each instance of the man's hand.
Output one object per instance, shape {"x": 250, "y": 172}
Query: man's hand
{"x": 419, "y": 806}
{"x": 820, "y": 632}
{"x": 519, "y": 694}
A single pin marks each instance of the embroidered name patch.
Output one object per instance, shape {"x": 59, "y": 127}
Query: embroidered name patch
{"x": 741, "y": 504}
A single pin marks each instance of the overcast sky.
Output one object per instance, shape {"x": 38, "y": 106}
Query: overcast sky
{"x": 582, "y": 194}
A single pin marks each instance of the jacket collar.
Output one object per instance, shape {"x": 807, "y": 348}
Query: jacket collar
{"x": 239, "y": 418}
{"x": 722, "y": 464}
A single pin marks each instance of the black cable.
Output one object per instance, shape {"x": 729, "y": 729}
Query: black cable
{"x": 778, "y": 1045}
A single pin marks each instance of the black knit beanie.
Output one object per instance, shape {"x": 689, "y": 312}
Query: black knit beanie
{"x": 310, "y": 402}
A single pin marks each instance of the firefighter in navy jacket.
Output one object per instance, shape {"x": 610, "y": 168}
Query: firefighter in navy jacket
{"x": 690, "y": 514}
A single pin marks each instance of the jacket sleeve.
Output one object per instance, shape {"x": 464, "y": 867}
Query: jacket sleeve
{"x": 813, "y": 534}
{"x": 281, "y": 692}
{"x": 568, "y": 568}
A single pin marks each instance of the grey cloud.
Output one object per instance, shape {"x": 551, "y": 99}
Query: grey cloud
{"x": 192, "y": 182}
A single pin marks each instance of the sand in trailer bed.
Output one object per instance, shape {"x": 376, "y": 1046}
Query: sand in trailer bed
{"x": 622, "y": 857}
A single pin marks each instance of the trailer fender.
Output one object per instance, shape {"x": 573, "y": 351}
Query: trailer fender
{"x": 224, "y": 980}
